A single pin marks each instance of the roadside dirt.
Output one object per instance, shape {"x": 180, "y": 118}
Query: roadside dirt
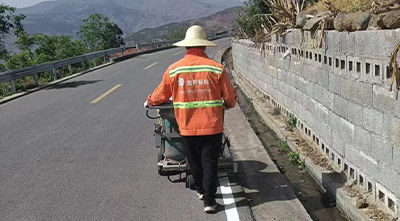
{"x": 315, "y": 155}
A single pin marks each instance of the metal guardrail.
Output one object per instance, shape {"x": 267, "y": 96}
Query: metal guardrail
{"x": 54, "y": 65}
{"x": 154, "y": 44}
{"x": 159, "y": 44}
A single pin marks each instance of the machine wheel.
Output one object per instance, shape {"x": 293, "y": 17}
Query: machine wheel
{"x": 190, "y": 182}
{"x": 159, "y": 168}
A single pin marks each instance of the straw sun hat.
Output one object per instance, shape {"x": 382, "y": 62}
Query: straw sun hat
{"x": 195, "y": 37}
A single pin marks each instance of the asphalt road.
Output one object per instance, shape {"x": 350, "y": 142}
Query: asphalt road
{"x": 64, "y": 156}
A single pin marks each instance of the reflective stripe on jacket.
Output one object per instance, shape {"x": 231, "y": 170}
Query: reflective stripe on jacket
{"x": 199, "y": 86}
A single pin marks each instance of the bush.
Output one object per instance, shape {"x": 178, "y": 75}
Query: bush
{"x": 249, "y": 22}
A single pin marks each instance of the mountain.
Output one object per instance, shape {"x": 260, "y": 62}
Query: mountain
{"x": 221, "y": 21}
{"x": 65, "y": 16}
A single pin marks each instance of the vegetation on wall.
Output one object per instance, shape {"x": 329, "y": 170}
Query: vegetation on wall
{"x": 249, "y": 22}
{"x": 262, "y": 18}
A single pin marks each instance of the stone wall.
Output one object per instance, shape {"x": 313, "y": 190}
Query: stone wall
{"x": 340, "y": 95}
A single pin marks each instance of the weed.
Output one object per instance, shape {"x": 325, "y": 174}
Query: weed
{"x": 248, "y": 119}
{"x": 284, "y": 147}
{"x": 292, "y": 122}
{"x": 249, "y": 101}
{"x": 293, "y": 157}
{"x": 302, "y": 164}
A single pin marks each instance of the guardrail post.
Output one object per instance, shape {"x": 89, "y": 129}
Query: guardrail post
{"x": 94, "y": 62}
{"x": 13, "y": 86}
{"x": 55, "y": 74}
{"x": 138, "y": 47}
{"x": 70, "y": 69}
{"x": 84, "y": 65}
{"x": 36, "y": 78}
{"x": 105, "y": 58}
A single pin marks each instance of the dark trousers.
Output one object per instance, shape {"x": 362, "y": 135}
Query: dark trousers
{"x": 202, "y": 153}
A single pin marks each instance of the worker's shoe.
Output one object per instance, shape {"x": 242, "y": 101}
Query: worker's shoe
{"x": 210, "y": 209}
{"x": 200, "y": 195}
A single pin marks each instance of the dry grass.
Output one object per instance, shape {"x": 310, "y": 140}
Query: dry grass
{"x": 283, "y": 15}
{"x": 344, "y": 5}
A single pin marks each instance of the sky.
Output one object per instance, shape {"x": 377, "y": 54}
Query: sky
{"x": 21, "y": 3}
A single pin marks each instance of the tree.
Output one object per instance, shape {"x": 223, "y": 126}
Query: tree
{"x": 98, "y": 33}
{"x": 9, "y": 21}
{"x": 40, "y": 48}
{"x": 51, "y": 48}
{"x": 25, "y": 43}
{"x": 18, "y": 61}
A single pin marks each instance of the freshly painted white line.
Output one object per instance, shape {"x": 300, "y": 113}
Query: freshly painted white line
{"x": 226, "y": 191}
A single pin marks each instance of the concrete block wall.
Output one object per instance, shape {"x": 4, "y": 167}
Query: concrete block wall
{"x": 340, "y": 95}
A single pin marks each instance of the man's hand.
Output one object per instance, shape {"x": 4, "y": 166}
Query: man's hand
{"x": 226, "y": 107}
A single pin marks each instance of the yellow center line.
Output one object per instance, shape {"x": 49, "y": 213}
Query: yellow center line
{"x": 151, "y": 65}
{"x": 178, "y": 53}
{"x": 105, "y": 94}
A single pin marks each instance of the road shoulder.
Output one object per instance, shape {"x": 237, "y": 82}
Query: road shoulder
{"x": 268, "y": 193}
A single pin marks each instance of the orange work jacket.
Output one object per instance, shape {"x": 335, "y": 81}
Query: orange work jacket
{"x": 199, "y": 86}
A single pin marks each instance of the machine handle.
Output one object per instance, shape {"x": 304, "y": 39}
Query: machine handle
{"x": 150, "y": 117}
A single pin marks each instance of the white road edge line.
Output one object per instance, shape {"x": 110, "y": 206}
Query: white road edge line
{"x": 226, "y": 191}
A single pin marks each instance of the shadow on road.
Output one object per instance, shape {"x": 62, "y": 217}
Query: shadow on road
{"x": 263, "y": 185}
{"x": 73, "y": 84}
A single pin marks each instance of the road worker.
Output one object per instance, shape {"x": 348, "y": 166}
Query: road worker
{"x": 199, "y": 88}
